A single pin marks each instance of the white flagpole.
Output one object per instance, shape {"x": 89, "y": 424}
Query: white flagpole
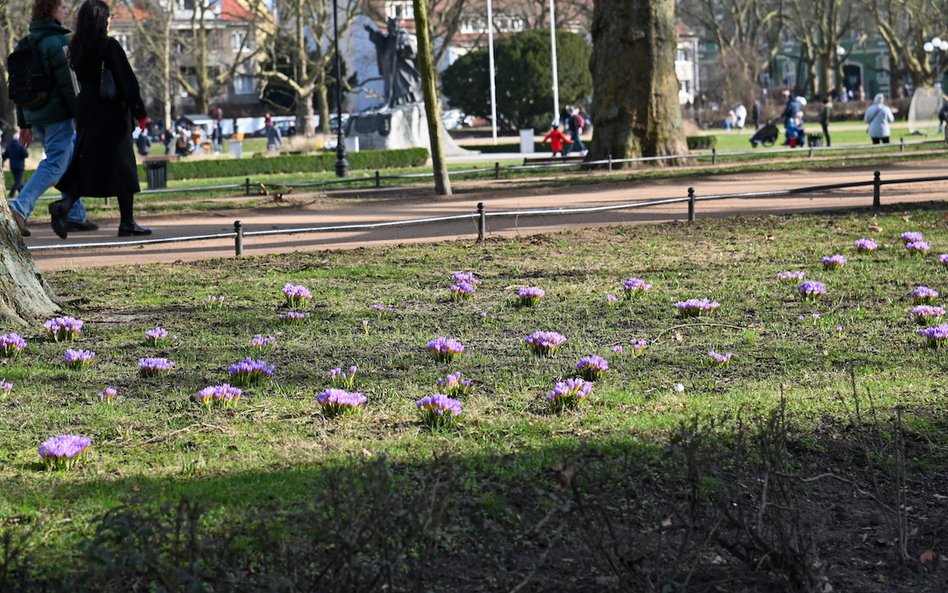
{"x": 556, "y": 84}
{"x": 490, "y": 56}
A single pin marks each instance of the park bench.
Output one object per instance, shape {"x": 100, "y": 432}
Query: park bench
{"x": 553, "y": 160}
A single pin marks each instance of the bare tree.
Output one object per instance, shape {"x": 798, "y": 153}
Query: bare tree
{"x": 905, "y": 26}
{"x": 818, "y": 26}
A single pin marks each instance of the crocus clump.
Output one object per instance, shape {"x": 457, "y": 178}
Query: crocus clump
{"x": 454, "y": 385}
{"x": 567, "y": 395}
{"x": 696, "y": 307}
{"x": 11, "y": 345}
{"x": 464, "y": 284}
{"x": 213, "y": 301}
{"x": 292, "y": 317}
{"x": 638, "y": 346}
{"x": 791, "y": 276}
{"x": 833, "y": 262}
{"x": 156, "y": 336}
{"x": 936, "y": 336}
{"x": 865, "y": 245}
{"x": 618, "y": 349}
{"x": 927, "y": 314}
{"x": 544, "y": 343}
{"x": 153, "y": 367}
{"x": 529, "y": 296}
{"x": 438, "y": 410}
{"x": 611, "y": 299}
{"x": 341, "y": 379}
{"x": 911, "y": 237}
{"x": 592, "y": 367}
{"x": 812, "y": 290}
{"x": 5, "y": 388}
{"x": 221, "y": 395}
{"x": 444, "y": 349}
{"x": 918, "y": 247}
{"x": 64, "y": 451}
{"x": 296, "y": 295}
{"x": 635, "y": 287}
{"x": 943, "y": 259}
{"x": 262, "y": 343}
{"x": 382, "y": 310}
{"x": 336, "y": 402}
{"x": 923, "y": 295}
{"x": 721, "y": 359}
{"x": 249, "y": 372}
{"x": 64, "y": 328}
{"x": 107, "y": 395}
{"x": 78, "y": 359}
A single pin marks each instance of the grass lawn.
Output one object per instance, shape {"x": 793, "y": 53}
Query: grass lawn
{"x": 653, "y": 482}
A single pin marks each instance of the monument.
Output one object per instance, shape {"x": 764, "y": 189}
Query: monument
{"x": 400, "y": 120}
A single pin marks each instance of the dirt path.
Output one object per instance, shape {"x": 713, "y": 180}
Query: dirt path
{"x": 314, "y": 210}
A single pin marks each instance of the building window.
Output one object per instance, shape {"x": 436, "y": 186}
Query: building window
{"x": 400, "y": 9}
{"x": 240, "y": 41}
{"x": 125, "y": 41}
{"x": 681, "y": 55}
{"x": 245, "y": 85}
{"x": 473, "y": 24}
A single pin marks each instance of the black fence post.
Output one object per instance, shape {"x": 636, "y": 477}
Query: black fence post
{"x": 238, "y": 238}
{"x": 481, "y": 222}
{"x": 714, "y": 156}
{"x": 876, "y": 190}
{"x": 901, "y": 144}
{"x": 496, "y": 170}
{"x": 610, "y": 162}
{"x": 691, "y": 204}
{"x": 246, "y": 186}
{"x": 378, "y": 179}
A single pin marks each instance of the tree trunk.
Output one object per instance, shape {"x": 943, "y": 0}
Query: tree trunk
{"x": 430, "y": 91}
{"x": 635, "y": 91}
{"x": 24, "y": 294}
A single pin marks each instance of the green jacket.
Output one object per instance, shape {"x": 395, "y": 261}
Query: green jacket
{"x": 62, "y": 104}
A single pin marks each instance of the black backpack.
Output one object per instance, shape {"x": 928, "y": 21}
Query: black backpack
{"x": 28, "y": 85}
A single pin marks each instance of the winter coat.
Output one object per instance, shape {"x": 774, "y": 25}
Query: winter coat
{"x": 17, "y": 154}
{"x": 103, "y": 163}
{"x": 879, "y": 116}
{"x": 556, "y": 138}
{"x": 62, "y": 102}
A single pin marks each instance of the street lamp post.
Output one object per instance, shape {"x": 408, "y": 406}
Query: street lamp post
{"x": 935, "y": 49}
{"x": 342, "y": 165}
{"x": 840, "y": 57}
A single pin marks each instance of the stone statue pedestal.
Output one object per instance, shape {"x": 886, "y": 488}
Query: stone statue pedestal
{"x": 403, "y": 126}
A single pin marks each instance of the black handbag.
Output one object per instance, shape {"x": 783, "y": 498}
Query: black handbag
{"x": 107, "y": 88}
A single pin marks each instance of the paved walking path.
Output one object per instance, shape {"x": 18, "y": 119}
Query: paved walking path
{"x": 321, "y": 209}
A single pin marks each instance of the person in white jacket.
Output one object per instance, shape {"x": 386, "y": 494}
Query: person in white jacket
{"x": 879, "y": 116}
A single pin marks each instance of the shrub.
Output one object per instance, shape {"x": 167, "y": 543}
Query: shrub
{"x": 701, "y": 142}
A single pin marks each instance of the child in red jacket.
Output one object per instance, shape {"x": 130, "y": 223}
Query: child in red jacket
{"x": 556, "y": 139}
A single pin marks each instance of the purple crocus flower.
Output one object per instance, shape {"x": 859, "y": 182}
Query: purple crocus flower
{"x": 382, "y": 310}
{"x": 592, "y": 367}
{"x": 64, "y": 328}
{"x": 790, "y": 276}
{"x": 635, "y": 287}
{"x": 107, "y": 395}
{"x": 78, "y": 359}
{"x": 444, "y": 349}
{"x": 529, "y": 296}
{"x": 943, "y": 259}
{"x": 340, "y": 379}
{"x": 214, "y": 301}
{"x": 811, "y": 289}
{"x": 935, "y": 336}
{"x": 223, "y": 395}
{"x": 544, "y": 343}
{"x": 64, "y": 451}
{"x": 469, "y": 277}
{"x": 336, "y": 402}
{"x": 568, "y": 394}
{"x": 250, "y": 372}
{"x": 911, "y": 237}
{"x": 438, "y": 410}
{"x": 833, "y": 262}
{"x": 721, "y": 359}
{"x": 152, "y": 367}
{"x": 262, "y": 342}
{"x": 923, "y": 295}
{"x": 462, "y": 290}
{"x": 638, "y": 346}
{"x": 696, "y": 307}
{"x": 11, "y": 345}
{"x": 611, "y": 299}
{"x": 617, "y": 349}
{"x": 296, "y": 295}
{"x": 292, "y": 316}
{"x": 918, "y": 247}
{"x": 156, "y": 335}
{"x": 927, "y": 314}
{"x": 864, "y": 245}
{"x": 454, "y": 385}
{"x": 5, "y": 388}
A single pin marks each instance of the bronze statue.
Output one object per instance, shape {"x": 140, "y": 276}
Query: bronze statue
{"x": 398, "y": 65}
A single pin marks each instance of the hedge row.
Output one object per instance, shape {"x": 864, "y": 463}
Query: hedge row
{"x": 694, "y": 143}
{"x": 291, "y": 163}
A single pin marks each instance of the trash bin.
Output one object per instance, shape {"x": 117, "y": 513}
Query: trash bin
{"x": 526, "y": 141}
{"x": 157, "y": 173}
{"x": 237, "y": 148}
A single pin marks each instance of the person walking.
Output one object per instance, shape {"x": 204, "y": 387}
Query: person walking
{"x": 825, "y": 119}
{"x": 53, "y": 121}
{"x": 556, "y": 138}
{"x": 576, "y": 125}
{"x": 879, "y": 116}
{"x": 16, "y": 153}
{"x": 943, "y": 116}
{"x": 274, "y": 138}
{"x": 755, "y": 114}
{"x": 104, "y": 162}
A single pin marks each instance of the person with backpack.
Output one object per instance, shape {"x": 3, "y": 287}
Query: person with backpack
{"x": 16, "y": 153}
{"x": 104, "y": 162}
{"x": 41, "y": 85}
{"x": 576, "y": 125}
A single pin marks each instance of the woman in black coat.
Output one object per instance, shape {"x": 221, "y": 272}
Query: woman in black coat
{"x": 103, "y": 163}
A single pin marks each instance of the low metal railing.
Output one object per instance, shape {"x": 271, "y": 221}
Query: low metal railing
{"x": 481, "y": 215}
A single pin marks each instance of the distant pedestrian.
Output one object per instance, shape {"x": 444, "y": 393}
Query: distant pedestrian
{"x": 730, "y": 121}
{"x": 755, "y": 114}
{"x": 576, "y": 125}
{"x": 943, "y": 116}
{"x": 565, "y": 112}
{"x": 556, "y": 138}
{"x": 740, "y": 113}
{"x": 272, "y": 133}
{"x": 879, "y": 116}
{"x": 16, "y": 153}
{"x": 825, "y": 120}
{"x": 143, "y": 143}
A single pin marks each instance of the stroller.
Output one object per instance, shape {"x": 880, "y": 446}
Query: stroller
{"x": 766, "y": 135}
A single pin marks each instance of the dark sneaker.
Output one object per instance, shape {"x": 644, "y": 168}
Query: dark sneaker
{"x": 132, "y": 230}
{"x": 57, "y": 219}
{"x": 20, "y": 223}
{"x": 80, "y": 227}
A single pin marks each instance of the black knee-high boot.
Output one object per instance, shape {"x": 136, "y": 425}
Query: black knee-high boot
{"x": 58, "y": 211}
{"x": 127, "y": 225}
